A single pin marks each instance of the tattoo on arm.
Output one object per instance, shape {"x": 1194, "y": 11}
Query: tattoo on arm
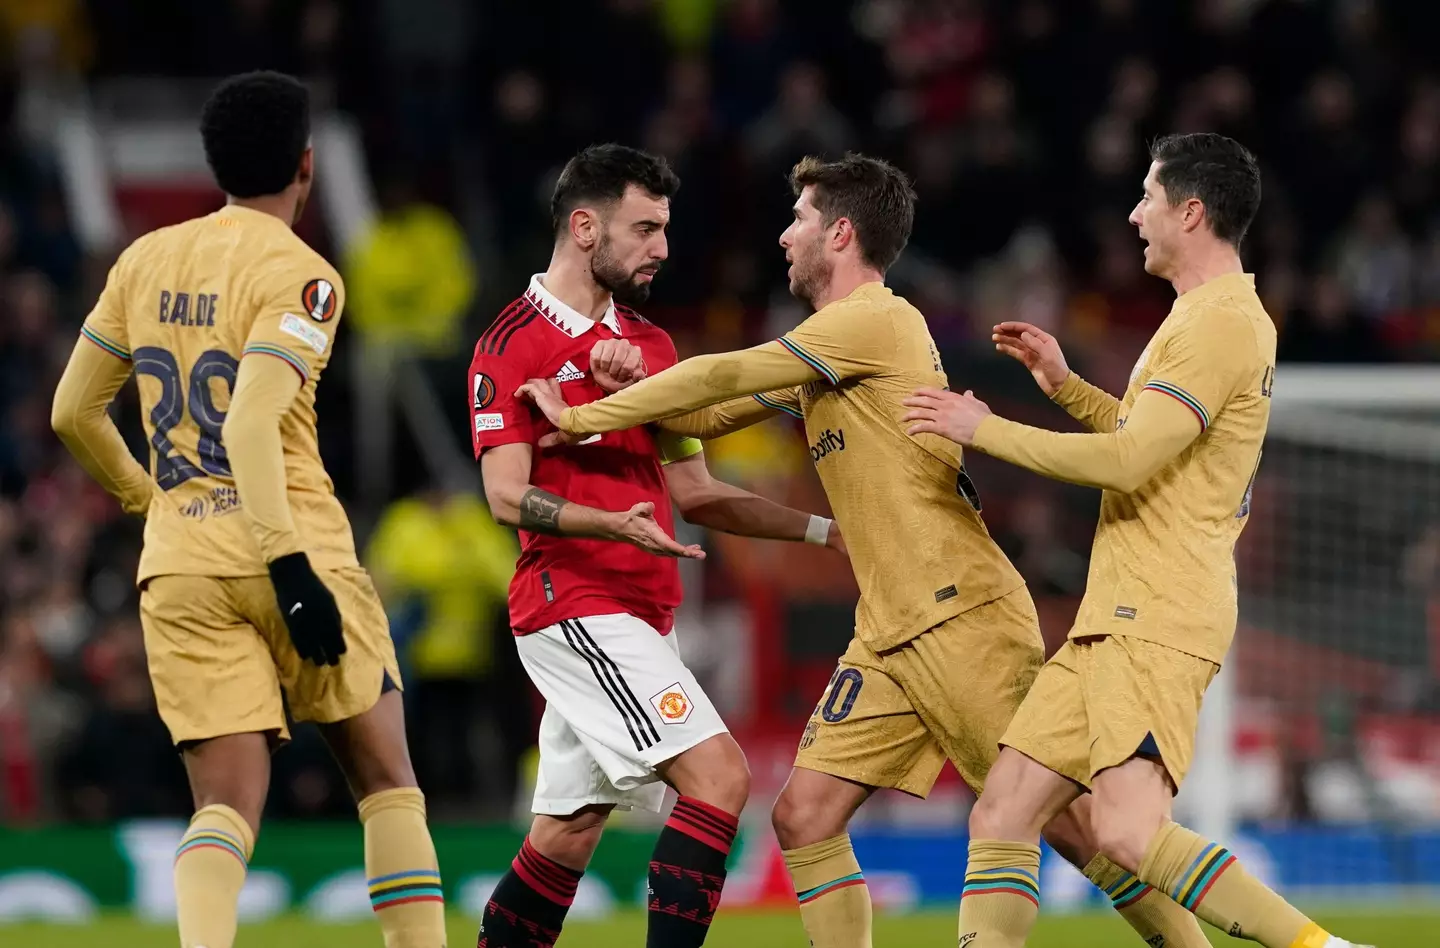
{"x": 540, "y": 511}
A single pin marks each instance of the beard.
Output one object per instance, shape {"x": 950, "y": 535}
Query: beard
{"x": 610, "y": 274}
{"x": 812, "y": 274}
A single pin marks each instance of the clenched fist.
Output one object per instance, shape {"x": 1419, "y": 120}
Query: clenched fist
{"x": 616, "y": 364}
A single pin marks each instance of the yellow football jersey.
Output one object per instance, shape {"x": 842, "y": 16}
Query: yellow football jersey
{"x": 184, "y": 304}
{"x": 909, "y": 512}
{"x": 1163, "y": 563}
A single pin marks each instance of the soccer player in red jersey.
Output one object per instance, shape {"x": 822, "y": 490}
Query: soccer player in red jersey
{"x": 597, "y": 583}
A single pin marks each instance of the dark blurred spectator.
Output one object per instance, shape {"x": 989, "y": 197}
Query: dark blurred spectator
{"x": 237, "y": 35}
{"x": 1328, "y": 329}
{"x": 122, "y": 763}
{"x": 1329, "y": 159}
{"x": 749, "y": 52}
{"x": 1375, "y": 262}
{"x": 1416, "y": 178}
{"x": 426, "y": 44}
{"x": 801, "y": 122}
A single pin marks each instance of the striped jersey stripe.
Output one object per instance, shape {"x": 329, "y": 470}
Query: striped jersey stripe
{"x": 109, "y": 345}
{"x": 814, "y": 362}
{"x": 294, "y": 361}
{"x": 1184, "y": 398}
{"x": 519, "y": 315}
{"x": 773, "y": 405}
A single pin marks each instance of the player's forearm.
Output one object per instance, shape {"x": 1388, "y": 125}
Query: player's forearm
{"x": 1157, "y": 430}
{"x": 80, "y": 417}
{"x": 264, "y": 390}
{"x": 695, "y": 383}
{"x": 526, "y": 507}
{"x": 1088, "y": 404}
{"x": 715, "y": 421}
{"x": 731, "y": 509}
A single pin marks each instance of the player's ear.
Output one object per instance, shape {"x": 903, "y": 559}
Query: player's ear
{"x": 306, "y": 172}
{"x": 584, "y": 228}
{"x": 842, "y": 234}
{"x": 1193, "y": 214}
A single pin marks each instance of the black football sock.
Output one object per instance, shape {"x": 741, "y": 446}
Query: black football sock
{"x": 687, "y": 873}
{"x": 528, "y": 907}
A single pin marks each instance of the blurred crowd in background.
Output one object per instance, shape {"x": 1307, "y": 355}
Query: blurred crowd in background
{"x": 1024, "y": 125}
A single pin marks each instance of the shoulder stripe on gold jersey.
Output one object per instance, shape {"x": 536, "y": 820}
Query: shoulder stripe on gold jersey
{"x": 770, "y": 403}
{"x": 1184, "y": 398}
{"x": 295, "y": 362}
{"x": 815, "y": 363}
{"x": 110, "y": 346}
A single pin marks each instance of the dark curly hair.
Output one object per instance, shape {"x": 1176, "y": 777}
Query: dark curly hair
{"x": 255, "y": 127}
{"x": 601, "y": 173}
{"x": 874, "y": 194}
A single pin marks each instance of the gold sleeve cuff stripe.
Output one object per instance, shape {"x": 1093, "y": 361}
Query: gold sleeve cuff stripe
{"x": 815, "y": 363}
{"x": 114, "y": 348}
{"x": 295, "y": 362}
{"x": 773, "y": 405}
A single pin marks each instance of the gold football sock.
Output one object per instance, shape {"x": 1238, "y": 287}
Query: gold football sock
{"x": 1001, "y": 897}
{"x": 1152, "y": 913}
{"x": 403, "y": 874}
{"x": 210, "y": 868}
{"x": 1204, "y": 878}
{"x": 834, "y": 900}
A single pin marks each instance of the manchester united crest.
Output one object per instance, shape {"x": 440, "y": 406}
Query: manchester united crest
{"x": 673, "y": 704}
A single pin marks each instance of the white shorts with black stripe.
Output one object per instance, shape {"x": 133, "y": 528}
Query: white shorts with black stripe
{"x": 618, "y": 701}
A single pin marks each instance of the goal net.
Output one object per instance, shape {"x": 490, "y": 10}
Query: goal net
{"x": 1327, "y": 763}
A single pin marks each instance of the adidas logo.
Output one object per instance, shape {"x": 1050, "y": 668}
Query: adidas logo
{"x": 568, "y": 373}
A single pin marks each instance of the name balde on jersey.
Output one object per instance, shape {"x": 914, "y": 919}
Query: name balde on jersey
{"x": 184, "y": 305}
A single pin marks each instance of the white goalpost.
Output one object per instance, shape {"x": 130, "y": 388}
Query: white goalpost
{"x": 1327, "y": 714}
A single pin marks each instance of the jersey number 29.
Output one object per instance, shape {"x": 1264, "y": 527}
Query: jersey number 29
{"x": 171, "y": 467}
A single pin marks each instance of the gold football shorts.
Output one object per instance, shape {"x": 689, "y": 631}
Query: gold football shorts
{"x": 1104, "y": 699}
{"x": 219, "y": 655}
{"x": 890, "y": 719}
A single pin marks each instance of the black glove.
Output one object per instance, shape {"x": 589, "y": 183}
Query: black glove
{"x": 309, "y": 610}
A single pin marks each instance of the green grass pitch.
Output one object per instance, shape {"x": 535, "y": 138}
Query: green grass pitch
{"x": 1397, "y": 929}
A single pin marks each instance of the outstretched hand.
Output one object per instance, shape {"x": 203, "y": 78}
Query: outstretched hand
{"x": 639, "y": 527}
{"x": 948, "y": 414}
{"x": 1035, "y": 349}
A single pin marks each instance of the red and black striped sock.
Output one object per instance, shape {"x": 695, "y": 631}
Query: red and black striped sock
{"x": 687, "y": 873}
{"x": 529, "y": 905}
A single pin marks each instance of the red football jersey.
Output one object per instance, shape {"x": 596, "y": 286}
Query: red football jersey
{"x": 558, "y": 578}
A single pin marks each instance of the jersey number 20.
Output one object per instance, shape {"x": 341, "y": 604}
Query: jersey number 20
{"x": 171, "y": 467}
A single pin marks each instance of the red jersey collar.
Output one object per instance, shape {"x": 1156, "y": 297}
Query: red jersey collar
{"x": 565, "y": 317}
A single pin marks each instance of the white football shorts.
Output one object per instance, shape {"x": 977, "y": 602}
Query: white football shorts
{"x": 618, "y": 701}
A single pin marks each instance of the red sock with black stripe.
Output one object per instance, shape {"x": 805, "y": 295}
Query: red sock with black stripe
{"x": 528, "y": 907}
{"x": 687, "y": 873}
